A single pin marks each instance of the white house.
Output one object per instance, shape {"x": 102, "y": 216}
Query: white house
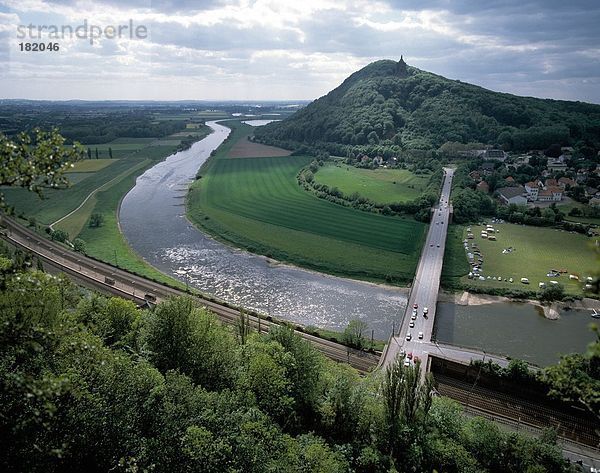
{"x": 532, "y": 190}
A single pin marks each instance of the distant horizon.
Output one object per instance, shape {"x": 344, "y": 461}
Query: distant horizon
{"x": 272, "y": 50}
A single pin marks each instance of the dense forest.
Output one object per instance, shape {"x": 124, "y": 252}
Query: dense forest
{"x": 90, "y": 383}
{"x": 390, "y": 104}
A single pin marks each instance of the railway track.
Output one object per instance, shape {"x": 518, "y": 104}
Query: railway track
{"x": 521, "y": 412}
{"x": 94, "y": 274}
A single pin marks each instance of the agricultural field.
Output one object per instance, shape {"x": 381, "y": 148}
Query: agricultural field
{"x": 531, "y": 252}
{"x": 255, "y": 203}
{"x": 89, "y": 165}
{"x": 382, "y": 186}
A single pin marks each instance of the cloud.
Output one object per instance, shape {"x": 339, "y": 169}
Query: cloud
{"x": 290, "y": 49}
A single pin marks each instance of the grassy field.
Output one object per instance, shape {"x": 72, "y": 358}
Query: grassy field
{"x": 455, "y": 260}
{"x": 256, "y": 203}
{"x": 90, "y": 165}
{"x": 384, "y": 186}
{"x": 536, "y": 251}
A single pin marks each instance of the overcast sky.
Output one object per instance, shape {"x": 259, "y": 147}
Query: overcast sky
{"x": 280, "y": 49}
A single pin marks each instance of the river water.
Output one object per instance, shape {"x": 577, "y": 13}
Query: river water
{"x": 152, "y": 218}
{"x": 514, "y": 329}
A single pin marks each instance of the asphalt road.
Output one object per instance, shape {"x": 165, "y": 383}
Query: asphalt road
{"x": 93, "y": 273}
{"x": 414, "y": 335}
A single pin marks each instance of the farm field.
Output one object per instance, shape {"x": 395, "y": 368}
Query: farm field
{"x": 535, "y": 252}
{"x": 89, "y": 165}
{"x": 382, "y": 186}
{"x": 248, "y": 149}
{"x": 255, "y": 203}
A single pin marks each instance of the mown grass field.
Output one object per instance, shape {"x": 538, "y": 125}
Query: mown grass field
{"x": 255, "y": 203}
{"x": 537, "y": 250}
{"x": 384, "y": 186}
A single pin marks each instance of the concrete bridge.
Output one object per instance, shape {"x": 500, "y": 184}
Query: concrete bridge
{"x": 416, "y": 328}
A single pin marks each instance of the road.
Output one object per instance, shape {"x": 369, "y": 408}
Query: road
{"x": 92, "y": 273}
{"x": 416, "y": 339}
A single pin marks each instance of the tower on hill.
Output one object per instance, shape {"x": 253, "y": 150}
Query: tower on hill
{"x": 401, "y": 67}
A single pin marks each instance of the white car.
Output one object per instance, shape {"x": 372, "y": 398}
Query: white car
{"x": 408, "y": 337}
{"x": 411, "y": 324}
{"x": 421, "y": 335}
{"x": 413, "y": 316}
{"x": 425, "y": 310}
{"x": 406, "y": 362}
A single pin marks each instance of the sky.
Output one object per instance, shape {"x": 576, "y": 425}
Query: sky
{"x": 292, "y": 50}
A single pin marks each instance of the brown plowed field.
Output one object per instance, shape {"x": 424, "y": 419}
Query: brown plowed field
{"x": 247, "y": 149}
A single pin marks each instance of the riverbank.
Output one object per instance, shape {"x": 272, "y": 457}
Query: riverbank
{"x": 551, "y": 311}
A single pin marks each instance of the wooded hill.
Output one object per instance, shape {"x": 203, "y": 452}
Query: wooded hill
{"x": 390, "y": 103}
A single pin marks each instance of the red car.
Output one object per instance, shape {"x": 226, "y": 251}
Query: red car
{"x": 409, "y": 355}
{"x": 415, "y": 306}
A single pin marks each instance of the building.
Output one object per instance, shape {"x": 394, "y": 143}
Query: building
{"x": 566, "y": 182}
{"x": 594, "y": 202}
{"x": 487, "y": 168}
{"x": 512, "y": 195}
{"x": 550, "y": 183}
{"x": 494, "y": 155}
{"x": 483, "y": 187}
{"x": 557, "y": 164}
{"x": 510, "y": 180}
{"x": 550, "y": 194}
{"x": 475, "y": 175}
{"x": 532, "y": 189}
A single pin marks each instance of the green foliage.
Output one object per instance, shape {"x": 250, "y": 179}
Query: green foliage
{"x": 377, "y": 106}
{"x": 552, "y": 292}
{"x": 91, "y": 384}
{"x": 178, "y": 335}
{"x": 36, "y": 162}
{"x": 59, "y": 235}
{"x": 354, "y": 333}
{"x": 79, "y": 245}
{"x": 96, "y": 220}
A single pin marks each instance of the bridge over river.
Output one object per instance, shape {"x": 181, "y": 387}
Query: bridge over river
{"x": 416, "y": 328}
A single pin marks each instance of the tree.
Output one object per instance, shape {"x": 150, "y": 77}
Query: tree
{"x": 576, "y": 377}
{"x": 96, "y": 153}
{"x": 552, "y": 292}
{"x": 59, "y": 235}
{"x": 178, "y": 335}
{"x": 79, "y": 245}
{"x": 36, "y": 162}
{"x": 354, "y": 333}
{"x": 110, "y": 155}
{"x": 89, "y": 153}
{"x": 406, "y": 399}
{"x": 96, "y": 220}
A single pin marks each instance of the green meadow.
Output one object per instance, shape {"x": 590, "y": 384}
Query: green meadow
{"x": 382, "y": 186}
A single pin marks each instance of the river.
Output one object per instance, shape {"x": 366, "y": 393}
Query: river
{"x": 152, "y": 218}
{"x": 514, "y": 329}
